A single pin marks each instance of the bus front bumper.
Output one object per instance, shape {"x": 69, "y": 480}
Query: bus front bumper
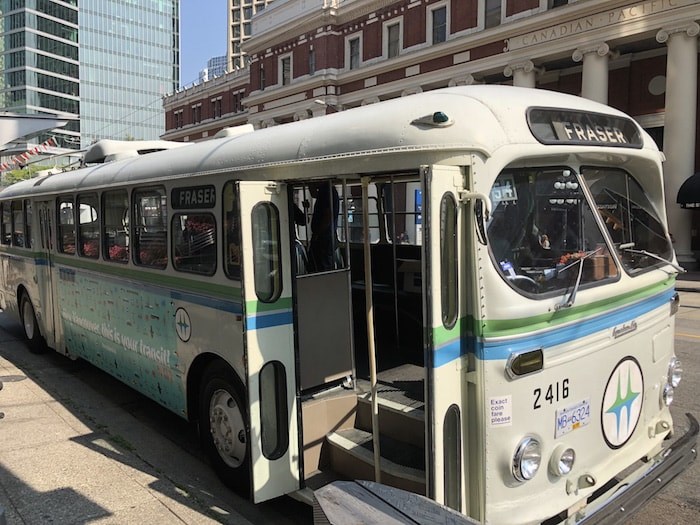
{"x": 634, "y": 491}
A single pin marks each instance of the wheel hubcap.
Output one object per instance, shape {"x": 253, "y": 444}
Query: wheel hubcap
{"x": 227, "y": 428}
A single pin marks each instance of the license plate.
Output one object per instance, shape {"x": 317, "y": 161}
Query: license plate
{"x": 572, "y": 417}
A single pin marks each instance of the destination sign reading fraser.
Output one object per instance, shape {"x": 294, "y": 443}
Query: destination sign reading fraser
{"x": 193, "y": 197}
{"x": 554, "y": 126}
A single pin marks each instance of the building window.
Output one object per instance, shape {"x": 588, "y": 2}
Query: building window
{"x": 179, "y": 118}
{"x": 196, "y": 113}
{"x": 438, "y": 24}
{"x": 286, "y": 70}
{"x": 216, "y": 107}
{"x": 551, "y": 4}
{"x": 312, "y": 62}
{"x": 237, "y": 101}
{"x": 353, "y": 52}
{"x": 262, "y": 78}
{"x": 493, "y": 13}
{"x": 393, "y": 40}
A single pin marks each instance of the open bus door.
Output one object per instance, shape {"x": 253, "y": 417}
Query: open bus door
{"x": 269, "y": 339}
{"x": 44, "y": 244}
{"x": 444, "y": 271}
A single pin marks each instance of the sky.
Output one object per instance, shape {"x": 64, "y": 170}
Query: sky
{"x": 202, "y": 36}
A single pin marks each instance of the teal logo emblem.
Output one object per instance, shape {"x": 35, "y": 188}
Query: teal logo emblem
{"x": 622, "y": 402}
{"x": 183, "y": 326}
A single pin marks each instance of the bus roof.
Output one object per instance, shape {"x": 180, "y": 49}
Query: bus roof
{"x": 443, "y": 123}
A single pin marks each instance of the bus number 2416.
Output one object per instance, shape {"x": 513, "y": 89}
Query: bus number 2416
{"x": 555, "y": 392}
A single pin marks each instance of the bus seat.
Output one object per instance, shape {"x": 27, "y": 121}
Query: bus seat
{"x": 302, "y": 261}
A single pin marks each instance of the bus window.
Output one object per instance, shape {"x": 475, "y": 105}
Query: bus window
{"x": 29, "y": 242}
{"x": 542, "y": 229}
{"x": 355, "y": 214}
{"x": 274, "y": 429}
{"x": 150, "y": 228}
{"x": 631, "y": 220}
{"x": 266, "y": 252}
{"x": 88, "y": 226}
{"x": 66, "y": 226}
{"x": 232, "y": 233}
{"x": 115, "y": 213}
{"x": 194, "y": 242}
{"x": 402, "y": 202}
{"x": 448, "y": 260}
{"x": 17, "y": 224}
{"x": 6, "y": 234}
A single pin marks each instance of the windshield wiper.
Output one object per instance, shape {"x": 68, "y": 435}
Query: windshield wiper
{"x": 568, "y": 303}
{"x": 629, "y": 247}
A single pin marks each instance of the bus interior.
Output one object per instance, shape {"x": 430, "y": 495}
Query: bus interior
{"x": 332, "y": 334}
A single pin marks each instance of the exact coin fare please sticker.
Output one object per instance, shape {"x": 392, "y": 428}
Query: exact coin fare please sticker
{"x": 501, "y": 411}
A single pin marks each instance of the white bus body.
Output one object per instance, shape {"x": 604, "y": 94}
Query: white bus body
{"x": 501, "y": 277}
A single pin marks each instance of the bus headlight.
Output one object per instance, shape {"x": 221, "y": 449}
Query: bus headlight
{"x": 527, "y": 459}
{"x": 667, "y": 395}
{"x": 562, "y": 461}
{"x": 675, "y": 372}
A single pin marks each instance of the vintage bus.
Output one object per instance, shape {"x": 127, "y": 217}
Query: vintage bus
{"x": 466, "y": 293}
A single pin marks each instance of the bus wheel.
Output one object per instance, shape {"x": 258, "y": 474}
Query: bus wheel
{"x": 31, "y": 327}
{"x": 223, "y": 428}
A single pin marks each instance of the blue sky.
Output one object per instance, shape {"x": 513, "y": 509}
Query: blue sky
{"x": 202, "y": 36}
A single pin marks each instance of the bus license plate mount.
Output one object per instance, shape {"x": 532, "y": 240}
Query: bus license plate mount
{"x": 572, "y": 417}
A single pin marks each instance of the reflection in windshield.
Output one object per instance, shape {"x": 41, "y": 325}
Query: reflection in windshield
{"x": 632, "y": 221}
{"x": 542, "y": 231}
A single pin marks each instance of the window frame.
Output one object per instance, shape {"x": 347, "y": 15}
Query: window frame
{"x": 103, "y": 224}
{"x": 349, "y": 40}
{"x": 137, "y": 229}
{"x": 174, "y": 258}
{"x": 386, "y": 31}
{"x": 60, "y": 245}
{"x": 95, "y": 205}
{"x": 430, "y": 22}
{"x": 274, "y": 269}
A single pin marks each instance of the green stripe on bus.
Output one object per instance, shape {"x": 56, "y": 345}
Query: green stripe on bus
{"x": 256, "y": 307}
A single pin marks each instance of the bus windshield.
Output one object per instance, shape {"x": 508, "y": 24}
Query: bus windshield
{"x": 632, "y": 221}
{"x": 542, "y": 229}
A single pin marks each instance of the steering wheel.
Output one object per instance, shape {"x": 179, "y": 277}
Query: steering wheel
{"x": 519, "y": 280}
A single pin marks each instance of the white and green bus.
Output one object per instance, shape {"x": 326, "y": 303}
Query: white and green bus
{"x": 466, "y": 293}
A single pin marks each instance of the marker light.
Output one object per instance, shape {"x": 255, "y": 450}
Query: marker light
{"x": 527, "y": 459}
{"x": 562, "y": 461}
{"x": 667, "y": 395}
{"x": 525, "y": 363}
{"x": 675, "y": 372}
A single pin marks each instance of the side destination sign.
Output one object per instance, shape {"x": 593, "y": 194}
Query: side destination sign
{"x": 193, "y": 197}
{"x": 560, "y": 126}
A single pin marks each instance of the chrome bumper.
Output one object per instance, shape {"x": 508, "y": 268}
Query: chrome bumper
{"x": 635, "y": 491}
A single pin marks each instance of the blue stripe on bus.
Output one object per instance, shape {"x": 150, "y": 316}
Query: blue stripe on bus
{"x": 232, "y": 307}
{"x": 501, "y": 350}
{"x": 268, "y": 320}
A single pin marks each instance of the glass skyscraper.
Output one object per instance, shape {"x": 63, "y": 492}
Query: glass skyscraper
{"x": 108, "y": 61}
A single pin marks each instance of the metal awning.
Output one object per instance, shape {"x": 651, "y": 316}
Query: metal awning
{"x": 689, "y": 192}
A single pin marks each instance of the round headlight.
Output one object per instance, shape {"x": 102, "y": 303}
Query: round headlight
{"x": 527, "y": 459}
{"x": 562, "y": 461}
{"x": 675, "y": 372}
{"x": 667, "y": 395}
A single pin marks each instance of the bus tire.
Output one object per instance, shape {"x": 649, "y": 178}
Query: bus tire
{"x": 35, "y": 341}
{"x": 223, "y": 427}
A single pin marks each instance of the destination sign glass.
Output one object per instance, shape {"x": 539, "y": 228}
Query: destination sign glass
{"x": 193, "y": 197}
{"x": 560, "y": 126}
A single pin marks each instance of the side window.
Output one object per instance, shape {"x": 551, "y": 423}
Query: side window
{"x": 194, "y": 242}
{"x": 66, "y": 226}
{"x": 6, "y": 237}
{"x": 115, "y": 232}
{"x": 17, "y": 224}
{"x": 448, "y": 260}
{"x": 231, "y": 232}
{"x": 274, "y": 426}
{"x": 28, "y": 241}
{"x": 266, "y": 252}
{"x": 402, "y": 203}
{"x": 88, "y": 226}
{"x": 150, "y": 227}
